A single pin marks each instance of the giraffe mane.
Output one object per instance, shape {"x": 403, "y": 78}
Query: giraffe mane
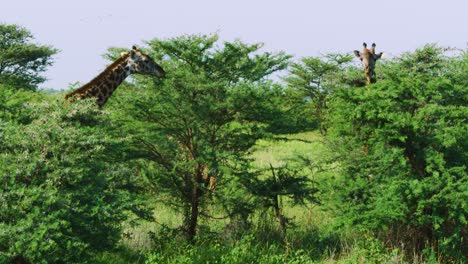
{"x": 102, "y": 75}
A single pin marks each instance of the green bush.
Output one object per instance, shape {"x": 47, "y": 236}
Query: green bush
{"x": 59, "y": 197}
{"x": 402, "y": 145}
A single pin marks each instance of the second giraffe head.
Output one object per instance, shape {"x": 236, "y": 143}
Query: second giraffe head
{"x": 368, "y": 59}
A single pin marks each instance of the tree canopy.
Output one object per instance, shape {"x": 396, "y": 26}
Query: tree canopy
{"x": 22, "y": 62}
{"x": 200, "y": 121}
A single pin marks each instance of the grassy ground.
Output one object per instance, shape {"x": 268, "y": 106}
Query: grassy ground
{"x": 279, "y": 151}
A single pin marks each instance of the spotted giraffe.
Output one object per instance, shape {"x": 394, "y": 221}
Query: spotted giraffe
{"x": 103, "y": 85}
{"x": 368, "y": 59}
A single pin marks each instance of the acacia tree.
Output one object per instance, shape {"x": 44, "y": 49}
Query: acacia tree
{"x": 285, "y": 181}
{"x": 409, "y": 183}
{"x": 198, "y": 123}
{"x": 21, "y": 60}
{"x": 310, "y": 84}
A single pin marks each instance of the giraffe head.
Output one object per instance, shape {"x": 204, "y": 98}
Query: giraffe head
{"x": 138, "y": 62}
{"x": 368, "y": 59}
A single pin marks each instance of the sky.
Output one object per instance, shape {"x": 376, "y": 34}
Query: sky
{"x": 83, "y": 30}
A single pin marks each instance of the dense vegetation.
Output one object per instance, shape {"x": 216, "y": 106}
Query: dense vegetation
{"x": 218, "y": 163}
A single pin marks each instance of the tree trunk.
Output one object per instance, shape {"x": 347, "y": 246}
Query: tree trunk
{"x": 195, "y": 204}
{"x": 281, "y": 219}
{"x": 192, "y": 224}
{"x": 276, "y": 205}
{"x": 19, "y": 260}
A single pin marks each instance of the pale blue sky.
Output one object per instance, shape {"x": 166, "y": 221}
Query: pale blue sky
{"x": 84, "y": 29}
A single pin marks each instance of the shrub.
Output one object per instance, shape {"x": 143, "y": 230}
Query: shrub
{"x": 403, "y": 151}
{"x": 59, "y": 197}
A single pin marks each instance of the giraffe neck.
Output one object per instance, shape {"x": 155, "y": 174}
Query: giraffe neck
{"x": 103, "y": 85}
{"x": 115, "y": 77}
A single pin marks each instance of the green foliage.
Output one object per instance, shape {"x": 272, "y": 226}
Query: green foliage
{"x": 21, "y": 61}
{"x": 201, "y": 120}
{"x": 60, "y": 199}
{"x": 12, "y": 103}
{"x": 120, "y": 255}
{"x": 285, "y": 182}
{"x": 403, "y": 149}
{"x": 310, "y": 84}
{"x": 371, "y": 250}
{"x": 394, "y": 176}
{"x": 246, "y": 250}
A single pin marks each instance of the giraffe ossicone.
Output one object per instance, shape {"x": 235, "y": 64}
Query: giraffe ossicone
{"x": 368, "y": 59}
{"x": 103, "y": 85}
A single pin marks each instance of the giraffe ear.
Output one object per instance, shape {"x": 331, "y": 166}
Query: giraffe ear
{"x": 132, "y": 51}
{"x": 357, "y": 54}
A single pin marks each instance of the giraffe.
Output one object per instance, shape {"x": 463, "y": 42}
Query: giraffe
{"x": 103, "y": 85}
{"x": 207, "y": 172}
{"x": 209, "y": 177}
{"x": 368, "y": 59}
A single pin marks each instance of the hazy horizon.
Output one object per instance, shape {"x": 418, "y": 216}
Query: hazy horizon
{"x": 84, "y": 30}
